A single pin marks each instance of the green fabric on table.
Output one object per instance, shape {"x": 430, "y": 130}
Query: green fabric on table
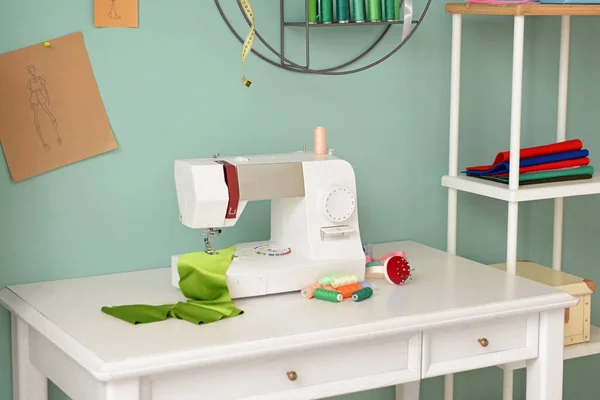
{"x": 584, "y": 172}
{"x": 203, "y": 281}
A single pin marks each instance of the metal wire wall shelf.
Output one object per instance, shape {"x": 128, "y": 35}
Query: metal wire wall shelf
{"x": 289, "y": 65}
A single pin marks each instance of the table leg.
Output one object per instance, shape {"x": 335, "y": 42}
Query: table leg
{"x": 28, "y": 382}
{"x": 508, "y": 386}
{"x": 545, "y": 373}
{"x": 129, "y": 389}
{"x": 408, "y": 391}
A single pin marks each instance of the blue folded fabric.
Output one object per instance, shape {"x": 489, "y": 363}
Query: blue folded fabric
{"x": 504, "y": 167}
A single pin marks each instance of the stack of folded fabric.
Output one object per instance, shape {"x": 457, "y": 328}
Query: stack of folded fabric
{"x": 562, "y": 161}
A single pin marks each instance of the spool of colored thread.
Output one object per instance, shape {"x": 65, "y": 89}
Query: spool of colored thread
{"x": 320, "y": 141}
{"x": 348, "y": 290}
{"x": 326, "y": 11}
{"x": 344, "y": 280}
{"x": 374, "y": 10}
{"x": 328, "y": 295}
{"x": 312, "y": 11}
{"x": 389, "y": 10}
{"x": 362, "y": 294}
{"x": 309, "y": 291}
{"x": 358, "y": 10}
{"x": 397, "y": 10}
{"x": 342, "y": 10}
{"x": 326, "y": 280}
{"x": 365, "y": 284}
{"x": 328, "y": 287}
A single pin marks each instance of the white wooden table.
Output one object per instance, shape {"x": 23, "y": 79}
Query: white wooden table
{"x": 455, "y": 315}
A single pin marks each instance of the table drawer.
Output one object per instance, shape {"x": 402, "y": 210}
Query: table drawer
{"x": 476, "y": 345}
{"x": 302, "y": 373}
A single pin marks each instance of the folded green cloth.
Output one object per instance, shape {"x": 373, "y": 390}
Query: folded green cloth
{"x": 202, "y": 281}
{"x": 551, "y": 175}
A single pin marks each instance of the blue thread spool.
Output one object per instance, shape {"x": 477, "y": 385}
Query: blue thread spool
{"x": 365, "y": 284}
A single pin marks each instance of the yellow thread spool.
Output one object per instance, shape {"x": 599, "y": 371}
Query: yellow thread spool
{"x": 344, "y": 280}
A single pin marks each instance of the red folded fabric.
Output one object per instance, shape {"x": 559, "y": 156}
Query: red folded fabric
{"x": 568, "y": 145}
{"x": 578, "y": 162}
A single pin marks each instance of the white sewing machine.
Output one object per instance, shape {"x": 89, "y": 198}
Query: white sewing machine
{"x": 314, "y": 217}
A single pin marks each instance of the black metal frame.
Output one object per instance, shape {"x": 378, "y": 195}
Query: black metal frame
{"x": 289, "y": 65}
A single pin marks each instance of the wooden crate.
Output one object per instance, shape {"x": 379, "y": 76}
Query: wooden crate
{"x": 577, "y": 318}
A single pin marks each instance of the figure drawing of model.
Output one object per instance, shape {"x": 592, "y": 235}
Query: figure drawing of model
{"x": 39, "y": 99}
{"x": 113, "y": 10}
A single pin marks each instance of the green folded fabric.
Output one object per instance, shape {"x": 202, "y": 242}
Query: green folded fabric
{"x": 554, "y": 175}
{"x": 203, "y": 281}
{"x": 557, "y": 179}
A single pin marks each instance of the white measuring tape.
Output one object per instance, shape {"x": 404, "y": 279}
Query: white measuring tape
{"x": 249, "y": 41}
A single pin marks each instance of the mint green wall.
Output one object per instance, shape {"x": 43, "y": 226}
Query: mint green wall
{"x": 172, "y": 90}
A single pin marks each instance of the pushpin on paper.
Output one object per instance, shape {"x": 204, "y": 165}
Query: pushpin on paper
{"x": 46, "y": 44}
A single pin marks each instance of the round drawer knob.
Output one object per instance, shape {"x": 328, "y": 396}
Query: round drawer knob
{"x": 483, "y": 342}
{"x": 292, "y": 375}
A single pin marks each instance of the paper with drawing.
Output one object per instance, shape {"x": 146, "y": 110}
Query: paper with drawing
{"x": 116, "y": 13}
{"x": 51, "y": 113}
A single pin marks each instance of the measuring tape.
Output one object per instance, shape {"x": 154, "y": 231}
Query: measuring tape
{"x": 249, "y": 41}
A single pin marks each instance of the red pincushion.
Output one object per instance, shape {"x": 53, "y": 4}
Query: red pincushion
{"x": 397, "y": 270}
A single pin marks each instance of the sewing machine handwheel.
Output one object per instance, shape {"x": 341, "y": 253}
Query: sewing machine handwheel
{"x": 396, "y": 270}
{"x": 340, "y": 204}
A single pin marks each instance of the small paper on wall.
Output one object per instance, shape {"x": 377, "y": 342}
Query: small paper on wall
{"x": 51, "y": 112}
{"x": 116, "y": 13}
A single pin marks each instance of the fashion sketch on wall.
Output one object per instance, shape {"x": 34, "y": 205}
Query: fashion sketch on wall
{"x": 39, "y": 100}
{"x": 113, "y": 10}
{"x": 116, "y": 13}
{"x": 51, "y": 111}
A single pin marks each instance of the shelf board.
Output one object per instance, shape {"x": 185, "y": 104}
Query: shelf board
{"x": 540, "y": 191}
{"x": 524, "y": 9}
{"x": 573, "y": 351}
{"x": 352, "y": 23}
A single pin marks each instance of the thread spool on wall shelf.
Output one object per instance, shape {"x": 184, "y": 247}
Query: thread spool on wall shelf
{"x": 285, "y": 63}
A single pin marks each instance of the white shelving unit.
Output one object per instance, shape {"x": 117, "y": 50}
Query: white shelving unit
{"x": 512, "y": 193}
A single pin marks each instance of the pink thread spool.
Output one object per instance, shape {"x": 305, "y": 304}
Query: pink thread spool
{"x": 320, "y": 141}
{"x": 308, "y": 292}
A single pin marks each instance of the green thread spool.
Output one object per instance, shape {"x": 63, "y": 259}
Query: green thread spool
{"x": 312, "y": 11}
{"x": 326, "y": 11}
{"x": 389, "y": 10}
{"x": 397, "y": 10}
{"x": 362, "y": 294}
{"x": 358, "y": 10}
{"x": 374, "y": 10}
{"x": 328, "y": 295}
{"x": 343, "y": 11}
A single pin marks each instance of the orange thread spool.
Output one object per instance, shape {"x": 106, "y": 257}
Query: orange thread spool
{"x": 348, "y": 290}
